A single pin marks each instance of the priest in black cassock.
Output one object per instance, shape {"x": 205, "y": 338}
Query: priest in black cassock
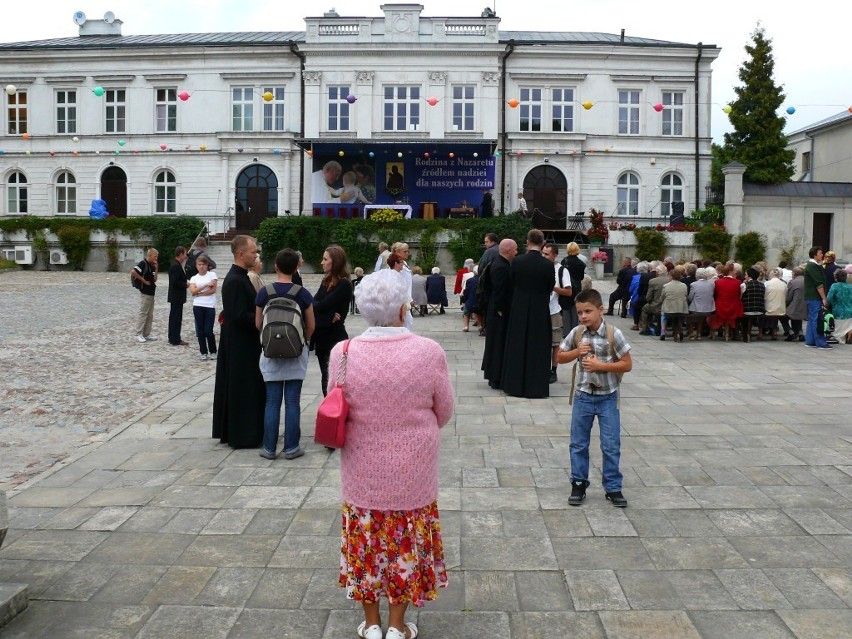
{"x": 526, "y": 367}
{"x": 240, "y": 393}
{"x": 498, "y": 292}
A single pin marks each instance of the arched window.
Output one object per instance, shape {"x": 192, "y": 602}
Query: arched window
{"x": 165, "y": 192}
{"x": 628, "y": 194}
{"x": 66, "y": 193}
{"x": 17, "y": 193}
{"x": 671, "y": 191}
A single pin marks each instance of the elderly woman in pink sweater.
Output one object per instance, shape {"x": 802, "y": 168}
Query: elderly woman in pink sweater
{"x": 391, "y": 544}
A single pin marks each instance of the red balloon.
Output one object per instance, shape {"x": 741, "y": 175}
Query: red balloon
{"x": 432, "y": 101}
{"x": 513, "y": 103}
{"x": 184, "y": 96}
{"x": 658, "y": 107}
{"x": 163, "y": 147}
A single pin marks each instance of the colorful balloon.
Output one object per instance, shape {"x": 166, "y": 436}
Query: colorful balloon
{"x": 75, "y": 153}
{"x": 588, "y": 105}
{"x": 514, "y": 103}
{"x": 239, "y": 149}
{"x": 452, "y": 155}
{"x": 75, "y": 139}
{"x": 658, "y": 107}
{"x": 727, "y": 108}
{"x": 791, "y": 110}
{"x": 399, "y": 155}
{"x": 121, "y": 142}
{"x": 475, "y": 154}
{"x": 351, "y": 99}
{"x": 341, "y": 153}
{"x": 184, "y": 96}
{"x": 310, "y": 153}
{"x": 25, "y": 136}
{"x": 11, "y": 89}
{"x": 267, "y": 97}
{"x": 426, "y": 155}
{"x": 276, "y": 151}
{"x": 432, "y": 101}
{"x": 52, "y": 153}
{"x": 372, "y": 155}
{"x": 163, "y": 147}
{"x": 98, "y": 91}
{"x": 203, "y": 147}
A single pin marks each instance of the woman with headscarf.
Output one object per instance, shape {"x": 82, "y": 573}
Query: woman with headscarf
{"x": 391, "y": 543}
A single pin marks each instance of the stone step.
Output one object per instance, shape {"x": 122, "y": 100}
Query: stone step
{"x": 14, "y": 599}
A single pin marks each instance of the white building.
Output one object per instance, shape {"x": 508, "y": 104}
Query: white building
{"x": 822, "y": 150}
{"x": 200, "y": 124}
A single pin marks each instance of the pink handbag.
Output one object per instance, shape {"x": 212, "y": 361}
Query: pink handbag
{"x": 332, "y": 412}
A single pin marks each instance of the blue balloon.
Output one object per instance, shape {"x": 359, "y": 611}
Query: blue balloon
{"x": 371, "y": 154}
{"x": 791, "y": 110}
{"x": 276, "y": 151}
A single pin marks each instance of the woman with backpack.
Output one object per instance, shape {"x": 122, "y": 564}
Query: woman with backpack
{"x": 331, "y": 305}
{"x": 284, "y": 375}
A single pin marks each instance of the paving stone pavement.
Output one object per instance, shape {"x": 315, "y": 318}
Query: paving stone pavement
{"x": 737, "y": 461}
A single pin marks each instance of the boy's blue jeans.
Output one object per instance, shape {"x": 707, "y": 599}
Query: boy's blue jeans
{"x": 290, "y": 391}
{"x": 586, "y": 407}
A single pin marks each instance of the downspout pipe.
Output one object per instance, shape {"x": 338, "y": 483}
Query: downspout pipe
{"x": 510, "y": 48}
{"x": 697, "y": 135}
{"x": 294, "y": 49}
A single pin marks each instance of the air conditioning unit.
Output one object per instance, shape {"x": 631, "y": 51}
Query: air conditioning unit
{"x": 24, "y": 255}
{"x": 58, "y": 257}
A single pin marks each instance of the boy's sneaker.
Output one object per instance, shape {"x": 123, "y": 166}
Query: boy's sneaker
{"x": 617, "y": 499}
{"x": 213, "y": 356}
{"x": 203, "y": 357}
{"x": 578, "y": 492}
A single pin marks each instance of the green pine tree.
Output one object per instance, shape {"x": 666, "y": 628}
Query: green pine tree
{"x": 758, "y": 140}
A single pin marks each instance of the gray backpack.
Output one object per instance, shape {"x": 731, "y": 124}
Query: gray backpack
{"x": 282, "y": 333}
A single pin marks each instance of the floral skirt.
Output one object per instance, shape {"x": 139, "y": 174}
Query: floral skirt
{"x": 396, "y": 554}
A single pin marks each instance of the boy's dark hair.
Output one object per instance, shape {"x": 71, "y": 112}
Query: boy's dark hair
{"x": 814, "y": 250}
{"x": 551, "y": 246}
{"x": 492, "y": 237}
{"x": 589, "y": 296}
{"x": 782, "y": 264}
{"x": 179, "y": 251}
{"x": 202, "y": 259}
{"x": 287, "y": 260}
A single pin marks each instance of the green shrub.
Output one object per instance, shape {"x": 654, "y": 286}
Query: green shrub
{"x": 74, "y": 240}
{"x": 713, "y": 243}
{"x": 750, "y": 248}
{"x": 6, "y": 264}
{"x": 788, "y": 253}
{"x": 650, "y": 243}
{"x": 711, "y": 214}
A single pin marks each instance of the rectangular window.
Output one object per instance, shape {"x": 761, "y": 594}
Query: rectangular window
{"x": 338, "y": 108}
{"x": 563, "y": 110}
{"x": 116, "y": 108}
{"x": 66, "y": 111}
{"x": 17, "y": 113}
{"x": 242, "y": 103}
{"x": 17, "y": 194}
{"x": 628, "y": 112}
{"x": 66, "y": 199}
{"x": 402, "y": 108}
{"x": 530, "y": 109}
{"x": 463, "y": 107}
{"x": 273, "y": 111}
{"x": 806, "y": 161}
{"x": 673, "y": 113}
{"x": 166, "y": 110}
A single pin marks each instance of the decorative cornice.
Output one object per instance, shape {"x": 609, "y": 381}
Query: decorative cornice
{"x": 164, "y": 77}
{"x": 312, "y": 77}
{"x": 72, "y": 80}
{"x": 438, "y": 77}
{"x": 113, "y": 79}
{"x": 257, "y": 76}
{"x": 491, "y": 77}
{"x": 364, "y": 77}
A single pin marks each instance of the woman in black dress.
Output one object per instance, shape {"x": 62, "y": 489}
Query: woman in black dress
{"x": 331, "y": 305}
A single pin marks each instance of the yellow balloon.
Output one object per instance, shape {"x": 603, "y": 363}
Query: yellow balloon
{"x": 727, "y": 108}
{"x": 268, "y": 96}
{"x": 587, "y": 105}
{"x": 203, "y": 147}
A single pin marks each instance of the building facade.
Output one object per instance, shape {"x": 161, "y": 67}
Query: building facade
{"x": 399, "y": 109}
{"x": 822, "y": 150}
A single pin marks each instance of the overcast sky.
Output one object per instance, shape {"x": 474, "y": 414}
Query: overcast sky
{"x": 808, "y": 38}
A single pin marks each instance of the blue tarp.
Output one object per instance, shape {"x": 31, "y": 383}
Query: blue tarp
{"x": 98, "y": 210}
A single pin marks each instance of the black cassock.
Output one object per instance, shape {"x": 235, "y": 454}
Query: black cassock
{"x": 526, "y": 369}
{"x": 498, "y": 287}
{"x": 240, "y": 393}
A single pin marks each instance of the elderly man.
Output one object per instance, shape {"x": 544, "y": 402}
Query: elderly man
{"x": 239, "y": 396}
{"x": 382, "y": 260}
{"x": 654, "y": 300}
{"x": 323, "y": 181}
{"x": 145, "y": 276}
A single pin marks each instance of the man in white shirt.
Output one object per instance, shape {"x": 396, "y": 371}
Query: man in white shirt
{"x": 323, "y": 181}
{"x": 551, "y": 252}
{"x": 786, "y": 274}
{"x": 522, "y": 205}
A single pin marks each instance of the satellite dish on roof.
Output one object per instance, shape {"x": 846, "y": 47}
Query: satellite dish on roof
{"x": 79, "y": 18}
{"x": 109, "y": 17}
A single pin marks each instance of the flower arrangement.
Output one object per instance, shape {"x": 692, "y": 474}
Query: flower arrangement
{"x": 598, "y": 231}
{"x": 600, "y": 256}
{"x": 621, "y": 226}
{"x": 676, "y": 227}
{"x": 384, "y": 216}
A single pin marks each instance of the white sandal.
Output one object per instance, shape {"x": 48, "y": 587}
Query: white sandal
{"x": 373, "y": 632}
{"x": 393, "y": 633}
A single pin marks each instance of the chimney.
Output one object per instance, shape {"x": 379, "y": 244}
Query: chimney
{"x": 109, "y": 25}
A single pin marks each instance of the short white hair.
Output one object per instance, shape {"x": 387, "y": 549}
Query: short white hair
{"x": 710, "y": 272}
{"x": 699, "y": 273}
{"x": 468, "y": 263}
{"x": 662, "y": 270}
{"x": 642, "y": 267}
{"x": 380, "y": 295}
{"x": 436, "y": 270}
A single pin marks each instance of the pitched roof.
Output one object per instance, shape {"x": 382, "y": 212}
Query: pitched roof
{"x": 800, "y": 189}
{"x": 261, "y": 38}
{"x": 827, "y": 122}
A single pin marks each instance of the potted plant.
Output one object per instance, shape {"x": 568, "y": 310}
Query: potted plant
{"x": 598, "y": 232}
{"x": 599, "y": 259}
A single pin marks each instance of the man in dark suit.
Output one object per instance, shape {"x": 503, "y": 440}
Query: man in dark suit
{"x": 498, "y": 295}
{"x": 177, "y": 296}
{"x": 487, "y": 206}
{"x": 528, "y": 337}
{"x": 622, "y": 291}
